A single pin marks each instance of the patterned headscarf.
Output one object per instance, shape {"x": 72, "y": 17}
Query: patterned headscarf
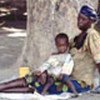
{"x": 89, "y": 12}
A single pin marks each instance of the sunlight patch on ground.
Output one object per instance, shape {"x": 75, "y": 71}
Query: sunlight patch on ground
{"x": 12, "y": 29}
{"x": 17, "y": 34}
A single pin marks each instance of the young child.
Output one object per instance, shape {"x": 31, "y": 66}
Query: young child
{"x": 60, "y": 64}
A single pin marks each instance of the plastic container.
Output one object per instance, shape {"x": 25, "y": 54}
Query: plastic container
{"x": 23, "y": 71}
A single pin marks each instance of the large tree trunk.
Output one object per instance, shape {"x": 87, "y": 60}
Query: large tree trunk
{"x": 46, "y": 18}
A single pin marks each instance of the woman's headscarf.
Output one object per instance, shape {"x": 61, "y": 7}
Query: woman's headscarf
{"x": 89, "y": 12}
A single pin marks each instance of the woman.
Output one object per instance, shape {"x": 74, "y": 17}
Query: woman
{"x": 86, "y": 47}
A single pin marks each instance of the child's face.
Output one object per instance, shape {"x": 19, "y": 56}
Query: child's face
{"x": 83, "y": 22}
{"x": 62, "y": 45}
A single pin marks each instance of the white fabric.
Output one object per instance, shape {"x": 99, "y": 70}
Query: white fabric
{"x": 58, "y": 64}
{"x": 35, "y": 96}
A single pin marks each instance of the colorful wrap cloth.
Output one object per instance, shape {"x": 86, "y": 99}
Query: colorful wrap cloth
{"x": 58, "y": 87}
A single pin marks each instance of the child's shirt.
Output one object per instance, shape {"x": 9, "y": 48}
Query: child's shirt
{"x": 58, "y": 64}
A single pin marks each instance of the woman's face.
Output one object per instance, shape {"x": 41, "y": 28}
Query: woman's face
{"x": 83, "y": 22}
{"x": 62, "y": 45}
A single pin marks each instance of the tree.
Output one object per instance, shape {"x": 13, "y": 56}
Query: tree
{"x": 46, "y": 18}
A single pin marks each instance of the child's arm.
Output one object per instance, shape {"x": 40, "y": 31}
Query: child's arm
{"x": 45, "y": 66}
{"x": 68, "y": 66}
{"x": 51, "y": 62}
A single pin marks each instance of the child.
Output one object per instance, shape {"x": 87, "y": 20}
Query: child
{"x": 61, "y": 64}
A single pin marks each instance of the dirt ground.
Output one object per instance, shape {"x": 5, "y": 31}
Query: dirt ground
{"x": 12, "y": 37}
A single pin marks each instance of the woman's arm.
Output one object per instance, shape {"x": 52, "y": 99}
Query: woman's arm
{"x": 94, "y": 47}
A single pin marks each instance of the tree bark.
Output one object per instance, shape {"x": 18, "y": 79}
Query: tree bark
{"x": 46, "y": 18}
